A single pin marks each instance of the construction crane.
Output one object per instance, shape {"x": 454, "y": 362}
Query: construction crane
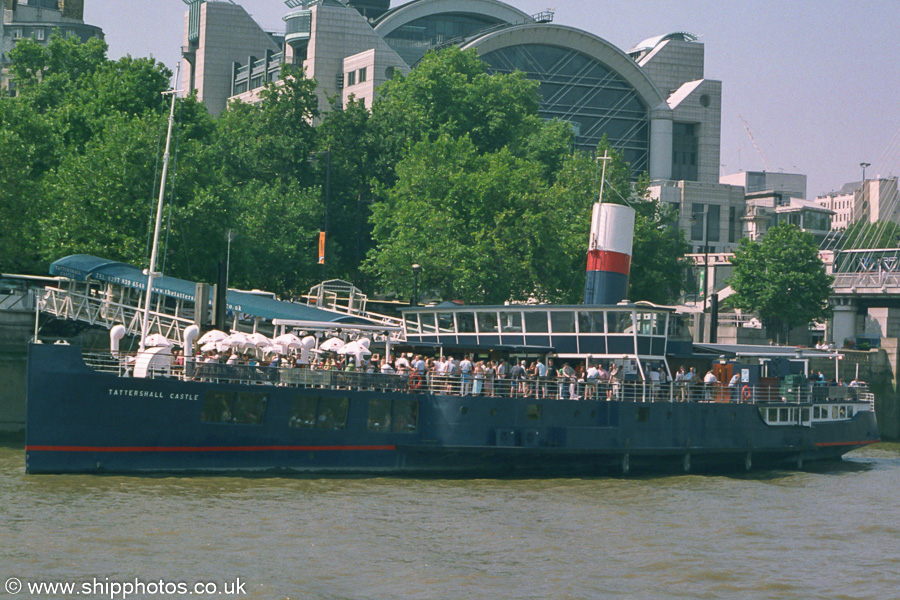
{"x": 753, "y": 141}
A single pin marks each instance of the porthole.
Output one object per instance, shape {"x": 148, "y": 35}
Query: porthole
{"x": 704, "y": 101}
{"x": 463, "y": 410}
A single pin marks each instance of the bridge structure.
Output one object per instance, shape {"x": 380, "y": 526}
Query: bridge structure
{"x": 865, "y": 297}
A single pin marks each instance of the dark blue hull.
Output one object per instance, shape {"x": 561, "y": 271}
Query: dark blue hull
{"x": 82, "y": 421}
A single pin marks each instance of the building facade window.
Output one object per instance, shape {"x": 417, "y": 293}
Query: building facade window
{"x": 351, "y": 78}
{"x": 684, "y": 151}
{"x": 363, "y": 75}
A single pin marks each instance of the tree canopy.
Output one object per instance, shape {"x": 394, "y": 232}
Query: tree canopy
{"x": 781, "y": 278}
{"x": 452, "y": 168}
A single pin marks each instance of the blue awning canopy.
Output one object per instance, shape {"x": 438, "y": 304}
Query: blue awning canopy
{"x": 82, "y": 267}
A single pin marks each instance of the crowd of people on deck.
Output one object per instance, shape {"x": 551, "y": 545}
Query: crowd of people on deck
{"x": 528, "y": 379}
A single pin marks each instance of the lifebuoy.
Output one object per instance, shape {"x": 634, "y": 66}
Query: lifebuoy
{"x": 415, "y": 381}
{"x": 745, "y": 393}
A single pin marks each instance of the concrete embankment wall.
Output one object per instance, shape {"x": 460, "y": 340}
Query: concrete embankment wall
{"x": 16, "y": 329}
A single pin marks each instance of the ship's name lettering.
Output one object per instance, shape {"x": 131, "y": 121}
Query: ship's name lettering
{"x": 149, "y": 394}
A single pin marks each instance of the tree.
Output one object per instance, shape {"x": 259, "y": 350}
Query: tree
{"x": 862, "y": 235}
{"x": 781, "y": 279}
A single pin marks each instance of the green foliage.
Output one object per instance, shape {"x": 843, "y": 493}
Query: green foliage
{"x": 452, "y": 169}
{"x": 61, "y": 60}
{"x": 781, "y": 278}
{"x": 864, "y": 235}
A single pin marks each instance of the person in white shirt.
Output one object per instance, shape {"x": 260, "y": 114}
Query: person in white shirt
{"x": 709, "y": 380}
{"x": 541, "y": 383}
{"x": 465, "y": 377}
{"x": 402, "y": 364}
{"x": 591, "y": 378}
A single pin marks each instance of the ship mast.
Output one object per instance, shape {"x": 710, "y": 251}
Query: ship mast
{"x": 151, "y": 272}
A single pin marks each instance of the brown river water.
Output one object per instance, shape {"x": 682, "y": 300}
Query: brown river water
{"x": 825, "y": 532}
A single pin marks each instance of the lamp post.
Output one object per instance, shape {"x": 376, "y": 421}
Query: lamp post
{"x": 323, "y": 235}
{"x": 416, "y": 268}
{"x": 229, "y": 235}
{"x": 705, "y": 218}
{"x": 864, "y": 165}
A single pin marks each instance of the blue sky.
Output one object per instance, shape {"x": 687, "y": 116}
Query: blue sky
{"x": 817, "y": 81}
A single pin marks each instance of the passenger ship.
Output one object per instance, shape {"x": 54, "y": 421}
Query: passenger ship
{"x": 107, "y": 413}
{"x": 111, "y": 413}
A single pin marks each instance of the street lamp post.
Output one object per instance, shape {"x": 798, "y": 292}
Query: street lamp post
{"x": 864, "y": 165}
{"x": 323, "y": 236}
{"x": 703, "y": 325}
{"x": 416, "y": 268}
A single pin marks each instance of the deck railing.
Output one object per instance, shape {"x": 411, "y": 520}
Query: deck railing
{"x": 460, "y": 385}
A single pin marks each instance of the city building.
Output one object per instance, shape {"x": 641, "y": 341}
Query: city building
{"x": 870, "y": 200}
{"x": 38, "y": 19}
{"x": 787, "y": 184}
{"x": 766, "y": 209}
{"x": 653, "y": 102}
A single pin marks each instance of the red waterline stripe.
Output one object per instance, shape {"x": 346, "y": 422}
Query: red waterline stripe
{"x": 823, "y": 444}
{"x": 202, "y": 448}
{"x": 607, "y": 260}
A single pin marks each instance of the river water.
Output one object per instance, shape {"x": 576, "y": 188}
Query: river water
{"x": 827, "y": 532}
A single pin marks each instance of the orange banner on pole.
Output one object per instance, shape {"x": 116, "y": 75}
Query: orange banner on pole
{"x": 321, "y": 247}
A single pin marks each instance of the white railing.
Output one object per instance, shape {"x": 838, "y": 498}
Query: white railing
{"x": 561, "y": 388}
{"x": 97, "y": 310}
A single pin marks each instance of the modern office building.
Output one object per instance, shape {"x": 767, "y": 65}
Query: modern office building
{"x": 38, "y": 19}
{"x": 792, "y": 185}
{"x": 653, "y": 102}
{"x": 870, "y": 200}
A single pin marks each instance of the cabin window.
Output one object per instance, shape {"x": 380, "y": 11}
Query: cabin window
{"x": 843, "y": 412}
{"x": 227, "y": 407}
{"x": 511, "y": 322}
{"x": 772, "y": 417}
{"x": 315, "y": 412}
{"x": 834, "y": 412}
{"x": 445, "y": 323}
{"x": 590, "y": 322}
{"x": 465, "y": 322}
{"x": 619, "y": 322}
{"x": 533, "y": 412}
{"x": 216, "y": 407}
{"x": 379, "y": 415}
{"x": 562, "y": 322}
{"x": 645, "y": 323}
{"x": 333, "y": 412}
{"x": 303, "y": 412}
{"x": 406, "y": 416}
{"x": 783, "y": 415}
{"x": 804, "y": 415}
{"x": 250, "y": 408}
{"x": 412, "y": 322}
{"x": 487, "y": 322}
{"x": 536, "y": 322}
{"x": 427, "y": 320}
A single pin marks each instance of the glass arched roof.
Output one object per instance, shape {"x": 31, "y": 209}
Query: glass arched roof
{"x": 583, "y": 91}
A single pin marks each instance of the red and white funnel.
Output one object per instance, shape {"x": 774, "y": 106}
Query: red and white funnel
{"x": 609, "y": 254}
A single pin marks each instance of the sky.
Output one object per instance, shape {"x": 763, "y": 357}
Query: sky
{"x": 816, "y": 82}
